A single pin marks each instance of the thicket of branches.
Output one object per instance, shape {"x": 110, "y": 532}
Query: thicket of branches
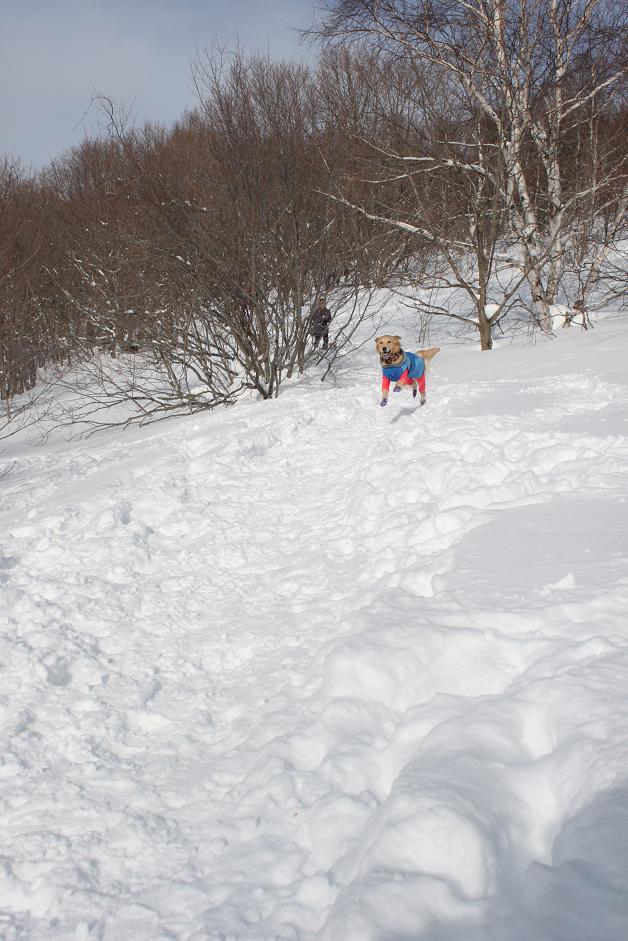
{"x": 505, "y": 144}
{"x": 476, "y": 148}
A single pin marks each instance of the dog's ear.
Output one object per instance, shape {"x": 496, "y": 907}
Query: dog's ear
{"x": 395, "y": 337}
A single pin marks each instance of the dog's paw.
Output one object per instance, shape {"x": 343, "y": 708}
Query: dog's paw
{"x": 397, "y": 389}
{"x": 414, "y": 392}
{"x": 384, "y": 402}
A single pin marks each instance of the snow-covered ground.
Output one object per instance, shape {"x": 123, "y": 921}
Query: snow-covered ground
{"x": 313, "y": 669}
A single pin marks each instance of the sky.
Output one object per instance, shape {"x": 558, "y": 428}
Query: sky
{"x": 56, "y": 55}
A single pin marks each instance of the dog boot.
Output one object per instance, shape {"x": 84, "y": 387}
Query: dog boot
{"x": 423, "y": 398}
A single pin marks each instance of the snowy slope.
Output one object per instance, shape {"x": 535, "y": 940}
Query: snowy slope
{"x": 312, "y": 669}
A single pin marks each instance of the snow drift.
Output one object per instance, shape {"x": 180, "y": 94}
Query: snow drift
{"x": 308, "y": 669}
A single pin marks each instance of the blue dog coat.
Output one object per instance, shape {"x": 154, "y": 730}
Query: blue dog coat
{"x": 412, "y": 362}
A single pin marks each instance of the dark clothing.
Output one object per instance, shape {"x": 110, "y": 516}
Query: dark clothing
{"x": 321, "y": 319}
{"x": 319, "y": 325}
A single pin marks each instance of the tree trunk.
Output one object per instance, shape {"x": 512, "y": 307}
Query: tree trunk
{"x": 484, "y": 326}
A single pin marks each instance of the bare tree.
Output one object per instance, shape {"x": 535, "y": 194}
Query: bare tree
{"x": 33, "y": 325}
{"x": 593, "y": 264}
{"x": 518, "y": 67}
{"x": 194, "y": 254}
{"x": 428, "y": 173}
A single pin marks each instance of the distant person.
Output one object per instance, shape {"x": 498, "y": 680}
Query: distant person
{"x": 320, "y": 320}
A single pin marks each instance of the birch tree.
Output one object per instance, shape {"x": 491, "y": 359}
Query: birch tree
{"x": 427, "y": 172}
{"x": 518, "y": 65}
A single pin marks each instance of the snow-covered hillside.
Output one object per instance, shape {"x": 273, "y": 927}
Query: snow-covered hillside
{"x": 313, "y": 669}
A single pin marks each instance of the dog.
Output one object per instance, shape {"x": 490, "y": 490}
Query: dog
{"x": 403, "y": 368}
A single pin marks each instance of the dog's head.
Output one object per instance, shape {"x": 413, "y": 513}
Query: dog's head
{"x": 389, "y": 348}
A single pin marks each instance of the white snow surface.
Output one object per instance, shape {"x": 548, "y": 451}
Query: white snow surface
{"x": 316, "y": 669}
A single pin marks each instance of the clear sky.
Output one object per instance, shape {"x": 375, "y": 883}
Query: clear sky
{"x": 55, "y": 55}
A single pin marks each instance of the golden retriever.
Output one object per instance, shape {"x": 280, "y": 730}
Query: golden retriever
{"x": 402, "y": 368}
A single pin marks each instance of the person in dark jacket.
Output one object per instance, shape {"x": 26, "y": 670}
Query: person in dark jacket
{"x": 320, "y": 320}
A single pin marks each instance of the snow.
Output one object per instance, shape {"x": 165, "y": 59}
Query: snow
{"x": 312, "y": 669}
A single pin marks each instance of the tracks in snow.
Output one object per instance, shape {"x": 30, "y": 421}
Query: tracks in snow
{"x": 254, "y": 688}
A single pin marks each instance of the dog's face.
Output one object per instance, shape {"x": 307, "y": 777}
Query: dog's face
{"x": 388, "y": 346}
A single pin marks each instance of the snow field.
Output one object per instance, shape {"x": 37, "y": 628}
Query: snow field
{"x": 312, "y": 669}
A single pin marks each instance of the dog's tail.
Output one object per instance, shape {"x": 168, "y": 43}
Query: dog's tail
{"x": 428, "y": 355}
